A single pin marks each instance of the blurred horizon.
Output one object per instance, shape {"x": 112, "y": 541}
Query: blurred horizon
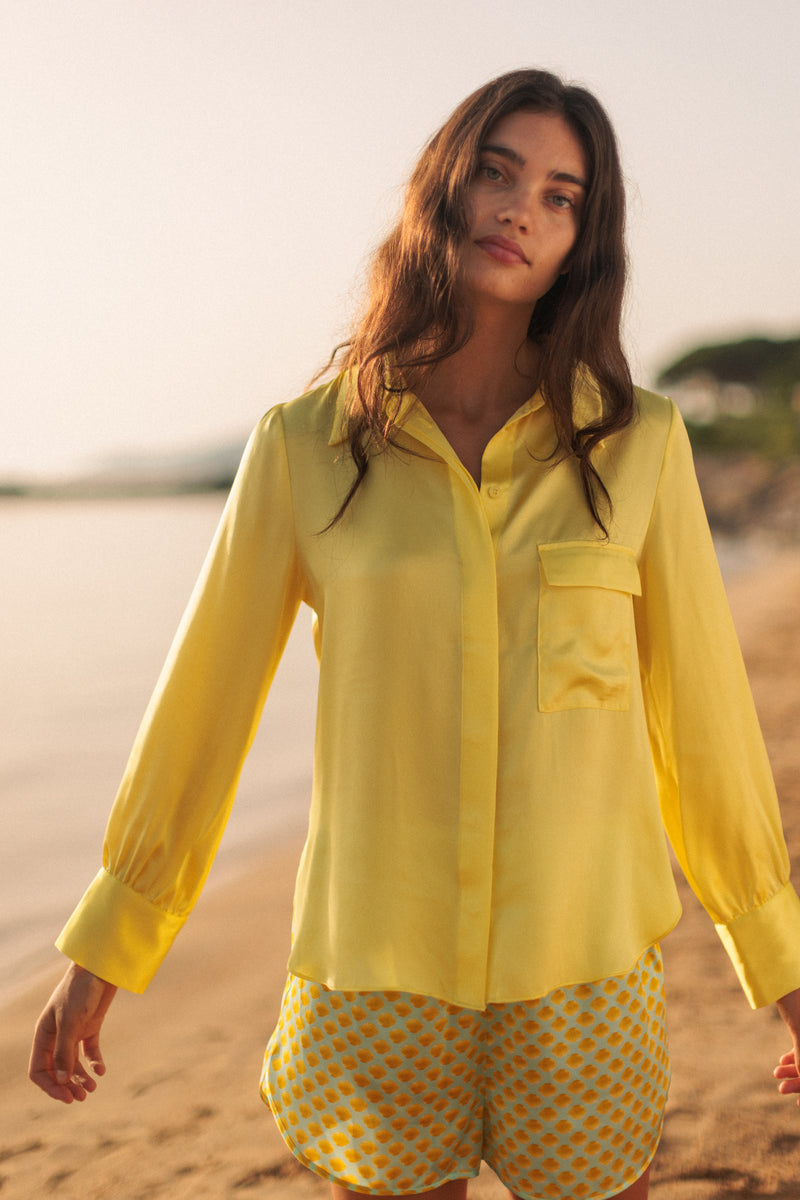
{"x": 193, "y": 190}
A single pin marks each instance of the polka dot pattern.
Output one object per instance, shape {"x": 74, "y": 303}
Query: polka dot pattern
{"x": 394, "y": 1093}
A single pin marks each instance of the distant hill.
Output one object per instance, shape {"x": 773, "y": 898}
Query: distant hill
{"x": 742, "y": 395}
{"x": 205, "y": 470}
{"x": 770, "y": 367}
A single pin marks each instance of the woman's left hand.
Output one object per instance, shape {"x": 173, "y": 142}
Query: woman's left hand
{"x": 788, "y": 1068}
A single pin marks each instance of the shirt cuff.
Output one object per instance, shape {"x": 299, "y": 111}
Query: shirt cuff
{"x": 118, "y": 935}
{"x": 764, "y": 947}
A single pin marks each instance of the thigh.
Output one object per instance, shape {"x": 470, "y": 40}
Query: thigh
{"x": 638, "y": 1190}
{"x": 577, "y": 1087}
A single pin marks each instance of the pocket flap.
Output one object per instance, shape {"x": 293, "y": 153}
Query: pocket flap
{"x": 588, "y": 564}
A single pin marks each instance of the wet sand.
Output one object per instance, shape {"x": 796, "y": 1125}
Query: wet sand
{"x": 178, "y": 1114}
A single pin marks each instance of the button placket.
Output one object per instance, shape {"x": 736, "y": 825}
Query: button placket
{"x": 497, "y": 463}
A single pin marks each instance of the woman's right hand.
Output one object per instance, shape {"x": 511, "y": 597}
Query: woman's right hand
{"x": 70, "y": 1021}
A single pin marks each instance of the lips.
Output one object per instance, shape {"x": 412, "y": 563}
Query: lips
{"x": 502, "y": 249}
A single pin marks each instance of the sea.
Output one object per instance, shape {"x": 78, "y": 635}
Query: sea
{"x": 91, "y": 594}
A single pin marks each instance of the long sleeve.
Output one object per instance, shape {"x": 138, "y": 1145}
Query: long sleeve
{"x": 181, "y": 778}
{"x": 715, "y": 785}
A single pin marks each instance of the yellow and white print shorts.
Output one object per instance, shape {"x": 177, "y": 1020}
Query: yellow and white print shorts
{"x": 394, "y": 1093}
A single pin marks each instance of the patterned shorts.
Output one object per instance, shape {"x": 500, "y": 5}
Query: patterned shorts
{"x": 394, "y": 1093}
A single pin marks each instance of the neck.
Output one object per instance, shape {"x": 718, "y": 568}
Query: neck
{"x": 494, "y": 372}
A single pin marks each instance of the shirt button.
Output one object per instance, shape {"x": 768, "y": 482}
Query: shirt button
{"x": 493, "y": 492}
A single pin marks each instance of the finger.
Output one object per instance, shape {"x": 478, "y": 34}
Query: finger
{"x": 786, "y": 1068}
{"x": 45, "y": 1081}
{"x": 91, "y": 1048}
{"x": 81, "y": 1078}
{"x": 65, "y": 1052}
{"x": 56, "y": 1091}
{"x": 40, "y": 1067}
{"x": 77, "y": 1090}
{"x": 81, "y": 1084}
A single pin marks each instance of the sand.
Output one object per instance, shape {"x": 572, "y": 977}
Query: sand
{"x": 178, "y": 1114}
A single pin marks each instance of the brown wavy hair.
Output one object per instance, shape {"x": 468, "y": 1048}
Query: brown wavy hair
{"x": 416, "y": 314}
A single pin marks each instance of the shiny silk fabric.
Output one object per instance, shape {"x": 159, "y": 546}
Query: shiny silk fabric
{"x": 512, "y": 709}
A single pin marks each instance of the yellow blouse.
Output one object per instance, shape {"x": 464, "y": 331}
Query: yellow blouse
{"x": 511, "y": 711}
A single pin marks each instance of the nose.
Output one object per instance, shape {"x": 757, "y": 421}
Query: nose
{"x": 517, "y": 209}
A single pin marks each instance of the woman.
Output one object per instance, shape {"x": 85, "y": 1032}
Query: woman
{"x": 527, "y": 671}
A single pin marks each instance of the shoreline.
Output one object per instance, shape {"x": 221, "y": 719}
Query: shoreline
{"x": 91, "y": 608}
{"x": 42, "y": 965}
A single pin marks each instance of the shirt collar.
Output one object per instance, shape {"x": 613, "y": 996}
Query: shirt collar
{"x": 587, "y": 405}
{"x": 402, "y": 403}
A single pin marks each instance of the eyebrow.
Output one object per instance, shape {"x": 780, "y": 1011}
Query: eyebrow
{"x": 518, "y": 161}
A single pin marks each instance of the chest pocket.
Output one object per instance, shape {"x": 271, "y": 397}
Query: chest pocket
{"x": 585, "y": 625}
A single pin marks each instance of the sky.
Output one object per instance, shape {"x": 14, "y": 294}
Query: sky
{"x": 191, "y": 189}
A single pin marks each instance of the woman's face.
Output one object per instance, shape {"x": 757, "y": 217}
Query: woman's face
{"x": 523, "y": 209}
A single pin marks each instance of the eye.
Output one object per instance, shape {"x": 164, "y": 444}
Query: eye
{"x": 562, "y": 201}
{"x": 491, "y": 173}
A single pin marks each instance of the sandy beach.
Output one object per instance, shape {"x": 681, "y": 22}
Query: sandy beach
{"x": 178, "y": 1114}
